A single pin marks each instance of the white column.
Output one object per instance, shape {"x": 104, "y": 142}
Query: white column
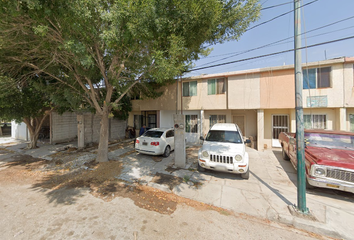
{"x": 201, "y": 123}
{"x": 343, "y": 119}
{"x": 260, "y": 129}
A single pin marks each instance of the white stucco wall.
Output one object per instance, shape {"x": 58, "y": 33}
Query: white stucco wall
{"x": 19, "y": 131}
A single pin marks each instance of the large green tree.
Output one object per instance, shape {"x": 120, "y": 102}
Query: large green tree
{"x": 24, "y": 102}
{"x": 93, "y": 48}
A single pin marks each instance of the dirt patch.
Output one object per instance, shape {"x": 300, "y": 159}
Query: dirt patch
{"x": 169, "y": 180}
{"x": 101, "y": 179}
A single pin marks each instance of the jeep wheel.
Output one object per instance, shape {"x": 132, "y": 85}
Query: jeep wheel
{"x": 284, "y": 155}
{"x": 246, "y": 175}
{"x": 167, "y": 151}
{"x": 200, "y": 169}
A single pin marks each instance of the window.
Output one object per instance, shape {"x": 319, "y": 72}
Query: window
{"x": 224, "y": 136}
{"x": 216, "y": 119}
{"x": 190, "y": 89}
{"x": 152, "y": 121}
{"x": 170, "y": 133}
{"x": 316, "y": 78}
{"x": 191, "y": 124}
{"x": 216, "y": 86}
{"x": 317, "y": 121}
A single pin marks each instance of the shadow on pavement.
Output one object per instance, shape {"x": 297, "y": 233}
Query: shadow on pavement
{"x": 275, "y": 191}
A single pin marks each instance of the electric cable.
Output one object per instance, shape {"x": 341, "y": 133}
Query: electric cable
{"x": 270, "y": 54}
{"x": 265, "y": 8}
{"x": 274, "y": 43}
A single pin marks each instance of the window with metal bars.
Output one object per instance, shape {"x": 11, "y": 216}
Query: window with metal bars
{"x": 315, "y": 121}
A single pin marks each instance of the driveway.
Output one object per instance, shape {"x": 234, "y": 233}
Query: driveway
{"x": 269, "y": 194}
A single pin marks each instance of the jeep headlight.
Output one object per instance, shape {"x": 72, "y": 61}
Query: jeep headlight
{"x": 205, "y": 154}
{"x": 238, "y": 157}
{"x": 319, "y": 171}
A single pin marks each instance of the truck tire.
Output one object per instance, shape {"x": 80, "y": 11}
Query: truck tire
{"x": 284, "y": 154}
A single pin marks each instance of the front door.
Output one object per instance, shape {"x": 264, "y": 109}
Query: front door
{"x": 280, "y": 123}
{"x": 240, "y": 121}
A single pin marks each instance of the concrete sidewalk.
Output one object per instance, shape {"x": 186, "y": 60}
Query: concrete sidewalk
{"x": 270, "y": 193}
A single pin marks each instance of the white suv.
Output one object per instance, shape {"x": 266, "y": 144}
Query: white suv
{"x": 224, "y": 150}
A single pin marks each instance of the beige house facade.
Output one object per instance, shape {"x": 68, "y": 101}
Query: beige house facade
{"x": 260, "y": 101}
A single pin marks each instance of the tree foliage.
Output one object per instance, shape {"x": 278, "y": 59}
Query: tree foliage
{"x": 24, "y": 102}
{"x": 97, "y": 51}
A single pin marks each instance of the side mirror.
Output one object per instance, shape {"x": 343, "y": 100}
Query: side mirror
{"x": 201, "y": 138}
{"x": 247, "y": 141}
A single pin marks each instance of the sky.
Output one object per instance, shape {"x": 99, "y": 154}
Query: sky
{"x": 314, "y": 15}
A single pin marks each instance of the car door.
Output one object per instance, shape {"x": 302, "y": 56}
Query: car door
{"x": 170, "y": 138}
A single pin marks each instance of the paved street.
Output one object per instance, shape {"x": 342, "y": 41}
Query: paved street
{"x": 266, "y": 196}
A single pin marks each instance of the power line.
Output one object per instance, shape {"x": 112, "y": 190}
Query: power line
{"x": 270, "y": 20}
{"x": 273, "y": 43}
{"x": 270, "y": 54}
{"x": 265, "y": 8}
{"x": 279, "y": 16}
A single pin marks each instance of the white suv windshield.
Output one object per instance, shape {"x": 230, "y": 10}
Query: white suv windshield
{"x": 223, "y": 136}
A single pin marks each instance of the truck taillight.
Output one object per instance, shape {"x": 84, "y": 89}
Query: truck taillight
{"x": 155, "y": 143}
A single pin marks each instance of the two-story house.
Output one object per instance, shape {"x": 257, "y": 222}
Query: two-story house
{"x": 261, "y": 101}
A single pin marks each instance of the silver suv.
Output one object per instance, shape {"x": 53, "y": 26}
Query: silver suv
{"x": 224, "y": 150}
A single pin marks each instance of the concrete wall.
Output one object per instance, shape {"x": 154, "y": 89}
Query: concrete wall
{"x": 117, "y": 129}
{"x": 277, "y": 89}
{"x": 348, "y": 85}
{"x": 165, "y": 102}
{"x": 335, "y": 93}
{"x": 166, "y": 118}
{"x": 63, "y": 127}
{"x": 92, "y": 126}
{"x": 244, "y": 91}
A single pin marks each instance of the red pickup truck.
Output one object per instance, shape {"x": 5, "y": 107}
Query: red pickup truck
{"x": 329, "y": 157}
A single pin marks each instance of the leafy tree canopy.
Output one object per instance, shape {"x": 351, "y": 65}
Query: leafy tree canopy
{"x": 97, "y": 50}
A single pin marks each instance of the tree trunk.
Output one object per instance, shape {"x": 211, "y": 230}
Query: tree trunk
{"x": 34, "y": 126}
{"x": 34, "y": 139}
{"x": 102, "y": 155}
{"x": 0, "y": 131}
{"x": 33, "y": 135}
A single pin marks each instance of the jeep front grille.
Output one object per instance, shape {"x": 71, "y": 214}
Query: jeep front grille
{"x": 340, "y": 174}
{"x": 221, "y": 159}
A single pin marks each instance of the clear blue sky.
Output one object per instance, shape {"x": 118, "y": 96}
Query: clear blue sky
{"x": 315, "y": 15}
